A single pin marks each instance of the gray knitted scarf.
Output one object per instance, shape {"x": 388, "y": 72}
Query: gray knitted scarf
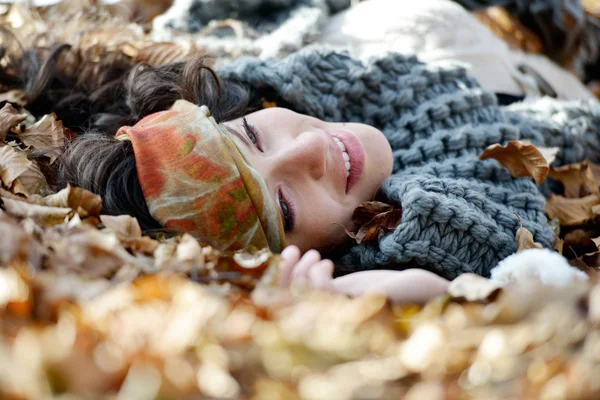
{"x": 458, "y": 212}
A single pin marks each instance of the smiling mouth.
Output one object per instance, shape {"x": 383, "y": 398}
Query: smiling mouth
{"x": 345, "y": 155}
{"x": 353, "y": 156}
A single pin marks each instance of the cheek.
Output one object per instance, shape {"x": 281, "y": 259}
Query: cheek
{"x": 322, "y": 227}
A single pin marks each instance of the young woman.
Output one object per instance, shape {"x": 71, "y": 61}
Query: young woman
{"x": 344, "y": 132}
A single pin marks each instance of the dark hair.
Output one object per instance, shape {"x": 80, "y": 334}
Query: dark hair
{"x": 97, "y": 101}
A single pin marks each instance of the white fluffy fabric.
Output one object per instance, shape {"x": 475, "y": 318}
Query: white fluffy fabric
{"x": 546, "y": 266}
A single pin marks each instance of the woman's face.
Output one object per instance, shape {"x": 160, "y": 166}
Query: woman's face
{"x": 317, "y": 172}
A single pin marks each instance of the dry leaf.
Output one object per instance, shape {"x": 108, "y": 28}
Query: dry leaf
{"x": 43, "y": 215}
{"x": 549, "y": 153}
{"x": 9, "y": 118}
{"x": 85, "y": 203}
{"x": 559, "y": 245}
{"x": 571, "y": 211}
{"x": 577, "y": 179}
{"x": 32, "y": 181}
{"x": 158, "y": 54}
{"x": 374, "y": 219}
{"x": 368, "y": 210}
{"x": 473, "y": 287}
{"x": 520, "y": 159}
{"x": 47, "y": 135}
{"x": 15, "y": 96}
{"x": 124, "y": 225}
{"x": 525, "y": 238}
{"x": 13, "y": 164}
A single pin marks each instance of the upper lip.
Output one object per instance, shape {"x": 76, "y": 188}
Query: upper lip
{"x": 339, "y": 161}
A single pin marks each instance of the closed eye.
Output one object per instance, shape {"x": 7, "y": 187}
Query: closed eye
{"x": 252, "y": 134}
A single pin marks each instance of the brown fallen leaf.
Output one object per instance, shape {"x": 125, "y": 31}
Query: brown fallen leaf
{"x": 32, "y": 181}
{"x": 520, "y": 159}
{"x": 365, "y": 212}
{"x": 577, "y": 179}
{"x": 158, "y": 54}
{"x": 571, "y": 211}
{"x": 125, "y": 225}
{"x": 13, "y": 164}
{"x": 374, "y": 219}
{"x": 85, "y": 203}
{"x": 42, "y": 215}
{"x": 129, "y": 233}
{"x": 559, "y": 245}
{"x": 525, "y": 238}
{"x": 15, "y": 96}
{"x": 47, "y": 135}
{"x": 9, "y": 118}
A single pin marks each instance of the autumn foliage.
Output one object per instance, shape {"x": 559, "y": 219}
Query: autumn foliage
{"x": 92, "y": 308}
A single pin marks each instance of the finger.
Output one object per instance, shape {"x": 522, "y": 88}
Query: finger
{"x": 289, "y": 257}
{"x": 301, "y": 268}
{"x": 320, "y": 275}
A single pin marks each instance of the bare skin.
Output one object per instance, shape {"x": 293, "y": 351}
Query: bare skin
{"x": 317, "y": 187}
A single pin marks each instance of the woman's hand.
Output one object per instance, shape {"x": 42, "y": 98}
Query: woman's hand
{"x": 310, "y": 270}
{"x": 408, "y": 286}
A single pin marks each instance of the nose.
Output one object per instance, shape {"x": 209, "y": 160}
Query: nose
{"x": 305, "y": 155}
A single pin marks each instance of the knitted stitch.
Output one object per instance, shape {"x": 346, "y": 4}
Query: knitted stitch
{"x": 457, "y": 211}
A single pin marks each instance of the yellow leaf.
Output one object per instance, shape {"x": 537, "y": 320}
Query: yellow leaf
{"x": 520, "y": 159}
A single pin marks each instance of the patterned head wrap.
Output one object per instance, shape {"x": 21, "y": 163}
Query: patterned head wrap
{"x": 195, "y": 178}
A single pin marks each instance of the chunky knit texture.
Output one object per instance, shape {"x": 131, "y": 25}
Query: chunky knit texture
{"x": 458, "y": 211}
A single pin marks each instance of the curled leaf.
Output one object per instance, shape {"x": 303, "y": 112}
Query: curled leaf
{"x": 124, "y": 225}
{"x": 9, "y": 118}
{"x": 13, "y": 164}
{"x": 577, "y": 179}
{"x": 85, "y": 203}
{"x": 520, "y": 159}
{"x": 32, "y": 181}
{"x": 571, "y": 211}
{"x": 47, "y": 135}
{"x": 15, "y": 96}
{"x": 158, "y": 54}
{"x": 43, "y": 215}
{"x": 374, "y": 219}
{"x": 525, "y": 238}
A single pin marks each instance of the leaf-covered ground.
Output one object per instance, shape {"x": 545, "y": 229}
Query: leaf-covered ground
{"x": 91, "y": 308}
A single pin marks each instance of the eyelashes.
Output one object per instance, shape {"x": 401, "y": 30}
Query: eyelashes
{"x": 285, "y": 205}
{"x": 252, "y": 134}
{"x": 287, "y": 210}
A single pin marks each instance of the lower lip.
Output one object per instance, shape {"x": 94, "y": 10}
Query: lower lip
{"x": 356, "y": 154}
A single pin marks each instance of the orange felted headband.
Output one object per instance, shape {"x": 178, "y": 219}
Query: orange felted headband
{"x": 195, "y": 178}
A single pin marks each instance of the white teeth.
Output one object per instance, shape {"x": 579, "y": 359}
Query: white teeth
{"x": 344, "y": 155}
{"x": 340, "y": 144}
